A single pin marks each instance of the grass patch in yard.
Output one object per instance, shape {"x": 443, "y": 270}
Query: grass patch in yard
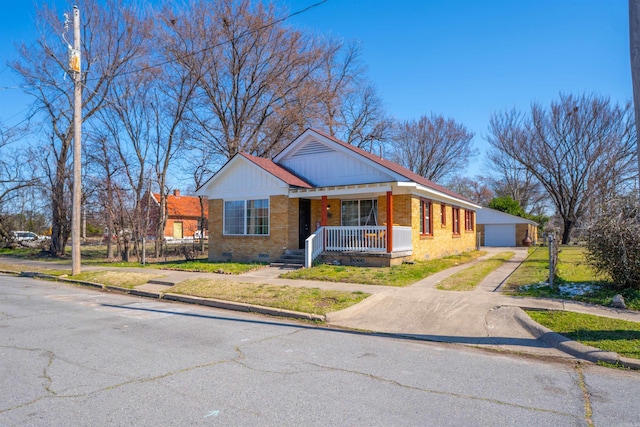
{"x": 469, "y": 278}
{"x": 576, "y": 279}
{"x": 195, "y": 265}
{"x": 122, "y": 279}
{"x": 534, "y": 269}
{"x": 305, "y": 300}
{"x": 398, "y": 275}
{"x": 209, "y": 267}
{"x": 17, "y": 268}
{"x": 619, "y": 336}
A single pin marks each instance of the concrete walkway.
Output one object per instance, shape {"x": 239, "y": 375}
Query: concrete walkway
{"x": 482, "y": 317}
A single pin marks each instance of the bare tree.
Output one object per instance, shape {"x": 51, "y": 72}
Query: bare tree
{"x": 508, "y": 178}
{"x": 474, "y": 189}
{"x": 433, "y": 147}
{"x": 256, "y": 77}
{"x": 348, "y": 106}
{"x": 109, "y": 41}
{"x": 18, "y": 171}
{"x": 579, "y": 149}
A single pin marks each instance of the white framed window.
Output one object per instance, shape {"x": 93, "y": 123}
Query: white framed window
{"x": 246, "y": 217}
{"x": 359, "y": 212}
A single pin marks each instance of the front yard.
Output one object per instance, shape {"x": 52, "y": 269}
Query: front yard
{"x": 576, "y": 279}
{"x": 399, "y": 275}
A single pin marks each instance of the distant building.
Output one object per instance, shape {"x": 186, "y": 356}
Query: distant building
{"x": 499, "y": 228}
{"x": 183, "y": 215}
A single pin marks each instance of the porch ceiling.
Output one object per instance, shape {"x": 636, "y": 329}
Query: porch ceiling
{"x": 341, "y": 190}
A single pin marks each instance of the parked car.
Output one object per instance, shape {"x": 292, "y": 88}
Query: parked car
{"x": 25, "y": 236}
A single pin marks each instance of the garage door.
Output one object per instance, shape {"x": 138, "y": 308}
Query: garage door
{"x": 500, "y": 235}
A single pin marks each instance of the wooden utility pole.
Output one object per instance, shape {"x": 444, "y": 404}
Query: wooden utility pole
{"x": 634, "y": 47}
{"x": 75, "y": 65}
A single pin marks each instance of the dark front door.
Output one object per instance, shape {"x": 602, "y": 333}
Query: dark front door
{"x": 304, "y": 221}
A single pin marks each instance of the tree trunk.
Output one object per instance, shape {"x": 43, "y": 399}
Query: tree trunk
{"x": 59, "y": 219}
{"x": 566, "y": 231}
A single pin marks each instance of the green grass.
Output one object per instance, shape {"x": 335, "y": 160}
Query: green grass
{"x": 576, "y": 279}
{"x": 306, "y": 300}
{"x": 200, "y": 265}
{"x": 399, "y": 275}
{"x": 619, "y": 336}
{"x": 469, "y": 278}
{"x": 534, "y": 269}
{"x": 122, "y": 279}
{"x": 17, "y": 268}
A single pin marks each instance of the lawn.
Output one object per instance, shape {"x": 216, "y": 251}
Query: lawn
{"x": 121, "y": 279}
{"x": 619, "y": 336}
{"x": 576, "y": 280}
{"x": 469, "y": 278}
{"x": 306, "y": 300}
{"x": 399, "y": 275}
{"x": 17, "y": 268}
{"x": 201, "y": 265}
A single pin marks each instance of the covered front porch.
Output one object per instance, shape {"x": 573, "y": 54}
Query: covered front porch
{"x": 353, "y": 225}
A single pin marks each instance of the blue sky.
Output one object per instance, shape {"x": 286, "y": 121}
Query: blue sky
{"x": 463, "y": 59}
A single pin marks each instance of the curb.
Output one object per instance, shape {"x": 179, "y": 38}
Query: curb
{"x": 209, "y": 302}
{"x": 571, "y": 347}
{"x": 237, "y": 306}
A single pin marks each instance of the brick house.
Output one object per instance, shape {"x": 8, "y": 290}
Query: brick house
{"x": 183, "y": 215}
{"x": 335, "y": 202}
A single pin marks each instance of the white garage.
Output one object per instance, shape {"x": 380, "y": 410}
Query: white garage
{"x": 498, "y": 228}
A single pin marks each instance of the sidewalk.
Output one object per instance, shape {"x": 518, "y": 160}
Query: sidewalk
{"x": 482, "y": 318}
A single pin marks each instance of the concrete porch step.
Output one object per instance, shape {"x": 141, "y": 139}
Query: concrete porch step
{"x": 290, "y": 259}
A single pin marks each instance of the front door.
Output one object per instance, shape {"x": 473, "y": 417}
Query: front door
{"x": 304, "y": 221}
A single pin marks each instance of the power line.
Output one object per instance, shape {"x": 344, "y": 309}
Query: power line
{"x": 169, "y": 61}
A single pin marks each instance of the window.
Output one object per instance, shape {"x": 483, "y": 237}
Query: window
{"x": 246, "y": 217}
{"x": 455, "y": 220}
{"x": 443, "y": 214}
{"x": 359, "y": 212}
{"x": 468, "y": 220}
{"x": 426, "y": 218}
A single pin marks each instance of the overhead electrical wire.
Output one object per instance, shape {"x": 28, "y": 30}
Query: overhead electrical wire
{"x": 222, "y": 43}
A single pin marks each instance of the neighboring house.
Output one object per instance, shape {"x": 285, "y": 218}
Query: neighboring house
{"x": 498, "y": 228}
{"x": 340, "y": 202}
{"x": 183, "y": 215}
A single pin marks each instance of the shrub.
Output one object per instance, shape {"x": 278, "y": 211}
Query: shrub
{"x": 613, "y": 242}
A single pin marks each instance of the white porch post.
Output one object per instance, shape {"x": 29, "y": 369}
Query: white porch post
{"x": 323, "y": 218}
{"x": 389, "y": 222}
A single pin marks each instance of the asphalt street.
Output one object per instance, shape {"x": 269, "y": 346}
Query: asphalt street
{"x": 76, "y": 356}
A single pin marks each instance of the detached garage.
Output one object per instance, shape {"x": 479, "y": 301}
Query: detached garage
{"x": 498, "y": 228}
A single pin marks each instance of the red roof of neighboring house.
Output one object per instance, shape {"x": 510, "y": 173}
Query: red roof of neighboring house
{"x": 395, "y": 167}
{"x": 183, "y": 206}
{"x": 277, "y": 171}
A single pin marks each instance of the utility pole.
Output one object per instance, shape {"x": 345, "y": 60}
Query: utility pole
{"x": 634, "y": 47}
{"x": 75, "y": 65}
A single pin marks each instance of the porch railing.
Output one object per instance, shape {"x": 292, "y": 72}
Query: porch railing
{"x": 401, "y": 239}
{"x": 355, "y": 239}
{"x": 313, "y": 247}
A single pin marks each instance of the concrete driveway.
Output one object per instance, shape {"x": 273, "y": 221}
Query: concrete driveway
{"x": 482, "y": 317}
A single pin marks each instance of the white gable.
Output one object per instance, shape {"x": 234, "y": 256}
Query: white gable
{"x": 324, "y": 163}
{"x": 242, "y": 179}
{"x": 492, "y": 216}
